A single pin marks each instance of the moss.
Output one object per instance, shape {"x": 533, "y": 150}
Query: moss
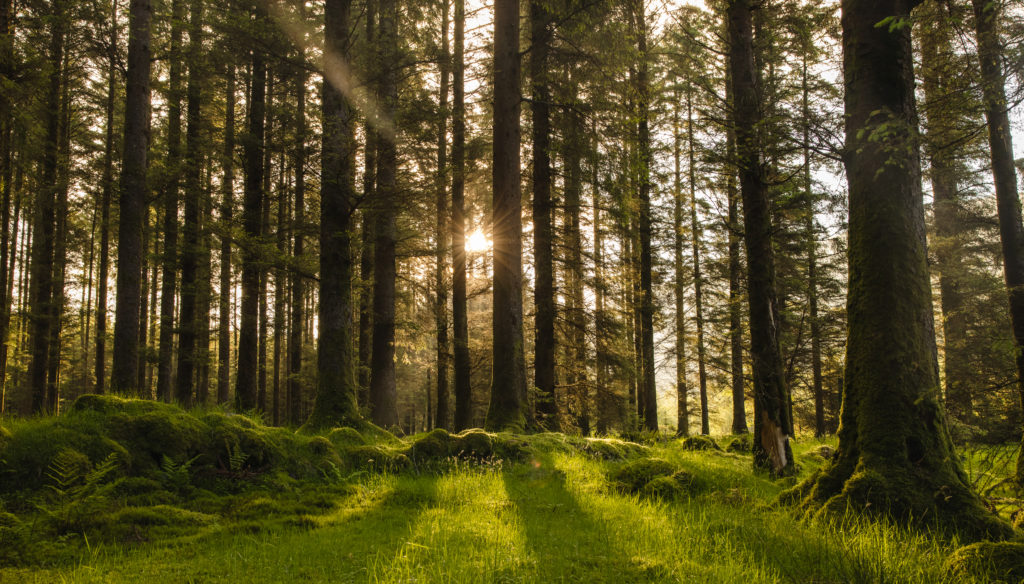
{"x": 151, "y": 436}
{"x": 142, "y": 492}
{"x": 1018, "y": 519}
{"x": 232, "y": 439}
{"x": 742, "y": 444}
{"x": 823, "y": 452}
{"x": 434, "y": 445}
{"x": 511, "y": 448}
{"x": 5, "y": 438}
{"x": 474, "y": 444}
{"x": 989, "y": 561}
{"x": 345, "y": 437}
{"x": 373, "y": 434}
{"x": 664, "y": 488}
{"x": 632, "y": 477}
{"x": 611, "y": 449}
{"x": 375, "y": 458}
{"x": 159, "y": 515}
{"x": 699, "y": 443}
{"x": 320, "y": 446}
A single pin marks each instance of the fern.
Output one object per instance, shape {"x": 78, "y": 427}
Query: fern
{"x": 236, "y": 458}
{"x": 78, "y": 490}
{"x": 176, "y": 475}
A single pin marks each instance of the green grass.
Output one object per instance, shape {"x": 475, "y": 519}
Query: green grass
{"x": 554, "y": 518}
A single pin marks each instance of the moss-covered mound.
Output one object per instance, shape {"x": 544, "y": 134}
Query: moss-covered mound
{"x": 656, "y": 478}
{"x": 988, "y": 561}
{"x": 163, "y": 443}
{"x": 741, "y": 444}
{"x": 821, "y": 453}
{"x": 699, "y": 443}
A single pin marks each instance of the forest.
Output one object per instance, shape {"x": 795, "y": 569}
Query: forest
{"x": 511, "y": 291}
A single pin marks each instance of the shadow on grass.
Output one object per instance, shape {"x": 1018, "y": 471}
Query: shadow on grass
{"x": 568, "y": 543}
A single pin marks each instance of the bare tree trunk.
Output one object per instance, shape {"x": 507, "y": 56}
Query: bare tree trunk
{"x": 460, "y": 321}
{"x": 246, "y": 381}
{"x": 298, "y": 285}
{"x": 226, "y": 213}
{"x": 698, "y": 277}
{"x": 682, "y": 391}
{"x": 383, "y": 392}
{"x": 509, "y": 408}
{"x": 335, "y": 402}
{"x": 443, "y": 231}
{"x": 190, "y": 250}
{"x": 772, "y": 423}
{"x": 739, "y": 409}
{"x": 105, "y": 198}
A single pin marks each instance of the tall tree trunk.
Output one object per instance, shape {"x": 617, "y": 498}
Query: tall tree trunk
{"x": 42, "y": 263}
{"x": 294, "y": 393}
{"x": 147, "y": 310}
{"x": 169, "y": 278}
{"x": 698, "y": 277}
{"x": 108, "y": 188}
{"x": 544, "y": 380}
{"x": 739, "y": 408}
{"x": 367, "y": 229}
{"x": 443, "y": 231}
{"x": 383, "y": 391}
{"x": 682, "y": 391}
{"x": 53, "y": 374}
{"x": 772, "y": 423}
{"x": 644, "y": 160}
{"x": 576, "y": 349}
{"x": 191, "y": 250}
{"x": 7, "y": 239}
{"x": 509, "y": 408}
{"x": 460, "y": 321}
{"x": 246, "y": 380}
{"x": 264, "y": 272}
{"x": 1011, "y": 231}
{"x": 335, "y": 401}
{"x": 812, "y": 265}
{"x": 226, "y": 212}
{"x": 280, "y": 283}
{"x": 894, "y": 449}
{"x": 605, "y": 397}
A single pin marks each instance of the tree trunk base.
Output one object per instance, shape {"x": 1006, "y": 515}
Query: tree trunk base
{"x": 915, "y": 496}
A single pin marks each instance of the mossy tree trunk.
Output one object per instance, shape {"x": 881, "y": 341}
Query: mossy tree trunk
{"x": 509, "y": 408}
{"x": 335, "y": 400}
{"x": 895, "y": 457}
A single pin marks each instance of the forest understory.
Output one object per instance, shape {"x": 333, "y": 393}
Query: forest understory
{"x": 129, "y": 491}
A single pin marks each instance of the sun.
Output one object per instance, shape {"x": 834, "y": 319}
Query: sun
{"x": 477, "y": 242}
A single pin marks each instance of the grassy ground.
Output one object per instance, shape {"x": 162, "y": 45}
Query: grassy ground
{"x": 555, "y": 517}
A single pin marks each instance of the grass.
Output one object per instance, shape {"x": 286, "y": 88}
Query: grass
{"x": 555, "y": 516}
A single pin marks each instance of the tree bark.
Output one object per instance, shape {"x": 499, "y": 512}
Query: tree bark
{"x": 226, "y": 212}
{"x": 383, "y": 391}
{"x": 698, "y": 277}
{"x": 772, "y": 424}
{"x": 105, "y": 198}
{"x": 335, "y": 401}
{"x": 509, "y": 408}
{"x": 460, "y": 322}
{"x": 443, "y": 231}
{"x": 544, "y": 377}
{"x": 682, "y": 391}
{"x": 739, "y": 408}
{"x": 1011, "y": 230}
{"x": 45, "y": 218}
{"x": 294, "y": 393}
{"x": 191, "y": 250}
{"x": 894, "y": 450}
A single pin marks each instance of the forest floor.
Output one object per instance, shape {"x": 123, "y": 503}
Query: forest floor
{"x": 558, "y": 514}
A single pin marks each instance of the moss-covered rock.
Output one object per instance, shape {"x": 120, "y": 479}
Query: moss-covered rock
{"x": 375, "y": 458}
{"x": 633, "y": 476}
{"x": 612, "y": 449}
{"x": 320, "y": 446}
{"x": 437, "y": 444}
{"x": 988, "y": 561}
{"x": 345, "y": 437}
{"x": 823, "y": 452}
{"x": 699, "y": 443}
{"x": 742, "y": 444}
{"x": 474, "y": 444}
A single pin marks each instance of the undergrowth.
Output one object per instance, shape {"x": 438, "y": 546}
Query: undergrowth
{"x": 125, "y": 491}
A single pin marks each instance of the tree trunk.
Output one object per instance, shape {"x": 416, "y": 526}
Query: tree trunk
{"x": 544, "y": 380}
{"x": 509, "y": 408}
{"x": 298, "y": 290}
{"x": 335, "y": 401}
{"x": 53, "y": 374}
{"x": 190, "y": 250}
{"x": 739, "y": 408}
{"x": 42, "y": 263}
{"x": 894, "y": 450}
{"x": 383, "y": 392}
{"x": 443, "y": 231}
{"x": 682, "y": 391}
{"x": 460, "y": 321}
{"x": 108, "y": 188}
{"x": 644, "y": 160}
{"x": 264, "y": 272}
{"x": 772, "y": 423}
{"x": 226, "y": 212}
{"x": 1011, "y": 231}
{"x": 812, "y": 267}
{"x": 576, "y": 339}
{"x": 252, "y": 216}
{"x": 698, "y": 278}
